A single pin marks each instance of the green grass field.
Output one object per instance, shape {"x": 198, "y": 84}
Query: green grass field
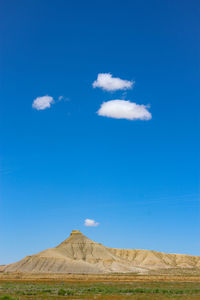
{"x": 78, "y": 290}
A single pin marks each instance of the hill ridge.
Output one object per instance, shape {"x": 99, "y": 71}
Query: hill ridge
{"x": 79, "y": 254}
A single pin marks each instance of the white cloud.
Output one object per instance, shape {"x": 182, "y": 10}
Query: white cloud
{"x": 41, "y": 103}
{"x": 122, "y": 109}
{"x": 90, "y": 223}
{"x": 109, "y": 83}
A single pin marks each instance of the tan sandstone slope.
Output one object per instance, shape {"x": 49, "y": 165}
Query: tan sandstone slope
{"x": 78, "y": 254}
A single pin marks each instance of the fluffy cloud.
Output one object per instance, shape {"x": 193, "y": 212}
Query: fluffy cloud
{"x": 90, "y": 223}
{"x": 41, "y": 103}
{"x": 109, "y": 83}
{"x": 121, "y": 109}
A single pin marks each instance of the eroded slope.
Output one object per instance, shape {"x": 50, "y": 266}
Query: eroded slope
{"x": 78, "y": 254}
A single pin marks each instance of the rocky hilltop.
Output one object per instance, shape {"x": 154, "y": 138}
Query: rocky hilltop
{"x": 78, "y": 254}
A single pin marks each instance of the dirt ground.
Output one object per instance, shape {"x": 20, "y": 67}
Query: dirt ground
{"x": 26, "y": 277}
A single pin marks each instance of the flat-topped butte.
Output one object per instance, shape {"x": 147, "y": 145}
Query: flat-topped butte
{"x": 78, "y": 254}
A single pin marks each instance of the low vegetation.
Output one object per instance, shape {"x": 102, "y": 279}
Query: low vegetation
{"x": 81, "y": 290}
{"x": 5, "y": 297}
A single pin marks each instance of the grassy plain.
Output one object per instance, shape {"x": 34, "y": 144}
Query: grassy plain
{"x": 99, "y": 287}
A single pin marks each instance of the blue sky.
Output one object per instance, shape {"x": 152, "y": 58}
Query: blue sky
{"x": 139, "y": 179}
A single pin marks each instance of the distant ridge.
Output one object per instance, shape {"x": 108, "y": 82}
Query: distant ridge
{"x": 79, "y": 254}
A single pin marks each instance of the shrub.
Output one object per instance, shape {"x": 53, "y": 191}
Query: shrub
{"x": 7, "y": 298}
{"x": 61, "y": 292}
{"x": 69, "y": 292}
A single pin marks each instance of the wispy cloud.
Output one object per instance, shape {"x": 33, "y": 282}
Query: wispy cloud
{"x": 41, "y": 103}
{"x": 106, "y": 82}
{"x": 60, "y": 98}
{"x": 122, "y": 109}
{"x": 5, "y": 171}
{"x": 90, "y": 223}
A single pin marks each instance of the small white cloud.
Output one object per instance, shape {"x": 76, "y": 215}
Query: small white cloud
{"x": 90, "y": 223}
{"x": 41, "y": 103}
{"x": 121, "y": 109}
{"x": 109, "y": 83}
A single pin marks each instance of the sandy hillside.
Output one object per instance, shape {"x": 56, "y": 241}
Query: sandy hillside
{"x": 78, "y": 254}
